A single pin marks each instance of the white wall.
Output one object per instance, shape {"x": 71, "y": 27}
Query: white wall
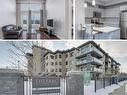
{"x": 112, "y": 11}
{"x": 7, "y": 13}
{"x": 112, "y": 2}
{"x": 56, "y": 9}
{"x": 79, "y": 17}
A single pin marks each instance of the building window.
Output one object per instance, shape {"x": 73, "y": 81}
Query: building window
{"x": 60, "y": 63}
{"x": 47, "y": 70}
{"x": 60, "y": 56}
{"x": 71, "y": 55}
{"x": 55, "y": 56}
{"x": 66, "y": 69}
{"x": 66, "y": 62}
{"x": 52, "y": 63}
{"x": 60, "y": 70}
{"x": 56, "y": 70}
{"x": 66, "y": 55}
{"x": 52, "y": 70}
{"x": 52, "y": 57}
{"x": 81, "y": 68}
{"x": 56, "y": 63}
{"x": 46, "y": 57}
{"x": 46, "y": 64}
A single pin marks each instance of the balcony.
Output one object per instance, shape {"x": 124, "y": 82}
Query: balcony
{"x": 108, "y": 71}
{"x": 97, "y": 70}
{"x": 91, "y": 60}
{"x": 94, "y": 51}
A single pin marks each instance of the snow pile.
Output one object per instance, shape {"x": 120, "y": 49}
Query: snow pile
{"x": 89, "y": 90}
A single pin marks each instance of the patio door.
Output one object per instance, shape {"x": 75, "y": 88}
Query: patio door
{"x": 31, "y": 16}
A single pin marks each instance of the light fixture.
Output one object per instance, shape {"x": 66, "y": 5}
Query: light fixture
{"x": 93, "y": 3}
{"x": 85, "y": 5}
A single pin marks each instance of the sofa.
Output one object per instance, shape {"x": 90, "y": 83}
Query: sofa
{"x": 11, "y": 31}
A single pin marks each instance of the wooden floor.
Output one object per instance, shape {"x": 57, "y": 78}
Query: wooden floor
{"x": 37, "y": 35}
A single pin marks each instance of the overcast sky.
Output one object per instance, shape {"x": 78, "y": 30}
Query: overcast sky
{"x": 116, "y": 49}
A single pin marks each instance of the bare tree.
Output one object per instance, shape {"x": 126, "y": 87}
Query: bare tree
{"x": 18, "y": 50}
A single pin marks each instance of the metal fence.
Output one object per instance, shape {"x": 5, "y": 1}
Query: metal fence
{"x": 104, "y": 82}
{"x": 45, "y": 86}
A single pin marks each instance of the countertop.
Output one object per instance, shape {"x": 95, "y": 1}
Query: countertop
{"x": 106, "y": 29}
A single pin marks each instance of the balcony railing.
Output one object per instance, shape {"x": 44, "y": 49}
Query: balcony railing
{"x": 91, "y": 60}
{"x": 97, "y": 70}
{"x": 90, "y": 50}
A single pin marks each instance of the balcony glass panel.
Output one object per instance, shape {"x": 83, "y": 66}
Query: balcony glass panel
{"x": 91, "y": 60}
{"x": 87, "y": 49}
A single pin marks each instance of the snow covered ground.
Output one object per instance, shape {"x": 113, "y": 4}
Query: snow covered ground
{"x": 89, "y": 90}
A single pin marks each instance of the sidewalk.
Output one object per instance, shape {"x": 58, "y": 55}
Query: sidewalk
{"x": 89, "y": 90}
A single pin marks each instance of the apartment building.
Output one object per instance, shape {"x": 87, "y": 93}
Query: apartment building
{"x": 59, "y": 62}
{"x": 88, "y": 57}
{"x": 92, "y": 58}
{"x": 29, "y": 57}
{"x": 36, "y": 60}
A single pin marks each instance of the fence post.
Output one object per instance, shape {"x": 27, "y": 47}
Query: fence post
{"x": 110, "y": 81}
{"x": 75, "y": 83}
{"x": 95, "y": 83}
{"x": 103, "y": 82}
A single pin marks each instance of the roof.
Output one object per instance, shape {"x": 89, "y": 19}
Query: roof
{"x": 61, "y": 51}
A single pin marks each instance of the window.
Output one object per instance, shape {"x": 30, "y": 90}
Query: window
{"x": 52, "y": 63}
{"x": 52, "y": 70}
{"x": 66, "y": 69}
{"x": 71, "y": 55}
{"x": 60, "y": 56}
{"x": 60, "y": 63}
{"x": 66, "y": 55}
{"x": 51, "y": 56}
{"x": 56, "y": 63}
{"x": 81, "y": 68}
{"x": 56, "y": 70}
{"x": 66, "y": 62}
{"x": 55, "y": 56}
{"x": 46, "y": 64}
{"x": 60, "y": 70}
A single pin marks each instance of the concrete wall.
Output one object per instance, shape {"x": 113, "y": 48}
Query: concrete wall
{"x": 8, "y": 13}
{"x": 112, "y": 2}
{"x": 112, "y": 11}
{"x": 75, "y": 83}
{"x": 11, "y": 83}
{"x": 80, "y": 17}
{"x": 38, "y": 60}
